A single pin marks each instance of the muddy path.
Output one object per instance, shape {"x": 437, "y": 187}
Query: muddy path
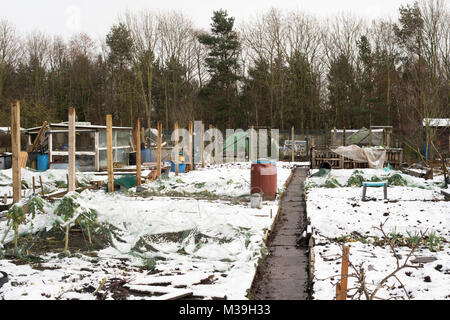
{"x": 283, "y": 274}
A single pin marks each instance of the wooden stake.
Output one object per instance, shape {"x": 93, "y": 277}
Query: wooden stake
{"x": 109, "y": 153}
{"x": 158, "y": 160}
{"x": 71, "y": 185}
{"x": 138, "y": 152}
{"x": 15, "y": 142}
{"x": 344, "y": 275}
{"x": 176, "y": 148}
{"x": 34, "y": 185}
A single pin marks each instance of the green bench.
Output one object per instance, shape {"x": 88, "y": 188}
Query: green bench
{"x": 381, "y": 184}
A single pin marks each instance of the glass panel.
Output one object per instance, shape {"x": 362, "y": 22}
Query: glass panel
{"x": 103, "y": 162}
{"x": 102, "y": 139}
{"x": 123, "y": 138}
{"x": 85, "y": 141}
{"x": 60, "y": 141}
{"x": 121, "y": 155}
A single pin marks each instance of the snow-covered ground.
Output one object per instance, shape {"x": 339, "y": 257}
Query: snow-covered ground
{"x": 210, "y": 247}
{"x": 339, "y": 216}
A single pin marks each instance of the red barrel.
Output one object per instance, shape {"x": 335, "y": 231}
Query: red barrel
{"x": 264, "y": 179}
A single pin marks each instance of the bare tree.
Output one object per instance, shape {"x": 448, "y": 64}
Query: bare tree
{"x": 9, "y": 50}
{"x": 144, "y": 28}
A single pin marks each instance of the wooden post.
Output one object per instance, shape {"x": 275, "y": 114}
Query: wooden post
{"x": 34, "y": 185}
{"x": 109, "y": 153}
{"x": 341, "y": 289}
{"x": 191, "y": 150}
{"x": 15, "y": 143}
{"x": 203, "y": 145}
{"x": 158, "y": 157}
{"x": 176, "y": 148}
{"x": 71, "y": 186}
{"x": 138, "y": 152}
{"x": 293, "y": 144}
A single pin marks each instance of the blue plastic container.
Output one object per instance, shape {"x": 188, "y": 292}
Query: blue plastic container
{"x": 181, "y": 167}
{"x": 42, "y": 162}
{"x": 146, "y": 156}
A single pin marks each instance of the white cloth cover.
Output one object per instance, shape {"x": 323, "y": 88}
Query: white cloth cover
{"x": 374, "y": 156}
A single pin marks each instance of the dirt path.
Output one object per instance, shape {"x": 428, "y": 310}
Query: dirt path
{"x": 283, "y": 274}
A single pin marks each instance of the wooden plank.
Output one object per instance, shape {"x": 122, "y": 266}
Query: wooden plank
{"x": 15, "y": 143}
{"x": 158, "y": 160}
{"x": 71, "y": 185}
{"x": 109, "y": 153}
{"x": 138, "y": 152}
{"x": 38, "y": 136}
{"x": 176, "y": 148}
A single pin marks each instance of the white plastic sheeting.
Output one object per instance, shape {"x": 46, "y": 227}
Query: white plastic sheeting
{"x": 374, "y": 156}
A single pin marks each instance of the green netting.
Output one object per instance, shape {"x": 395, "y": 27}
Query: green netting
{"x": 127, "y": 182}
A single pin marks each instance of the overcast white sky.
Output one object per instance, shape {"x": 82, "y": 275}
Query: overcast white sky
{"x": 66, "y": 17}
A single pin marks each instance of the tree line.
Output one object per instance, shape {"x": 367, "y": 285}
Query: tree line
{"x": 278, "y": 69}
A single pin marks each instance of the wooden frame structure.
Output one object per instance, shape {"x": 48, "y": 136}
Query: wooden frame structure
{"x": 319, "y": 156}
{"x": 81, "y": 128}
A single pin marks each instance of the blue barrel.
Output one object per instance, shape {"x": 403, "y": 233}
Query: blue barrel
{"x": 42, "y": 162}
{"x": 146, "y": 156}
{"x": 181, "y": 167}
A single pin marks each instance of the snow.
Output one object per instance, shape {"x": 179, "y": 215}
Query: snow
{"x": 191, "y": 239}
{"x": 339, "y": 212}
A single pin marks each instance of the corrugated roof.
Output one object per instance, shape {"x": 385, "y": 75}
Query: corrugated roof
{"x": 437, "y": 122}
